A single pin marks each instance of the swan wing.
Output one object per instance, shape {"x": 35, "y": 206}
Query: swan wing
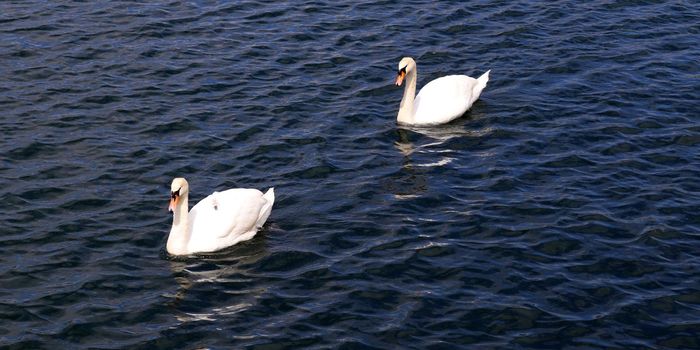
{"x": 447, "y": 98}
{"x": 444, "y": 99}
{"x": 225, "y": 218}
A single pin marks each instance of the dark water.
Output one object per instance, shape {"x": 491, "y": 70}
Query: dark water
{"x": 562, "y": 211}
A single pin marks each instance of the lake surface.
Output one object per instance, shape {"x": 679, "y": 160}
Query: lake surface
{"x": 562, "y": 211}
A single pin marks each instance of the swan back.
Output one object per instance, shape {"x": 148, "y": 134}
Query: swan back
{"x": 447, "y": 98}
{"x": 225, "y": 218}
{"x": 443, "y": 99}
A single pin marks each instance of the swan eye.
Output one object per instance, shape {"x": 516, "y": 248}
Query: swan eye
{"x": 175, "y": 194}
{"x": 403, "y": 70}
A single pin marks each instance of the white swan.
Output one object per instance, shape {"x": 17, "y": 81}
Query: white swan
{"x": 439, "y": 101}
{"x": 218, "y": 221}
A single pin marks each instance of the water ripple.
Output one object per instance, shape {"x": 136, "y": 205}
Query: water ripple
{"x": 560, "y": 212}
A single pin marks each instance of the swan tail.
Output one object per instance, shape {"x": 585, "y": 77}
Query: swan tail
{"x": 480, "y": 85}
{"x": 267, "y": 208}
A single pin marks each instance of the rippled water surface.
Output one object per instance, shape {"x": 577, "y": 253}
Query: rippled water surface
{"x": 562, "y": 211}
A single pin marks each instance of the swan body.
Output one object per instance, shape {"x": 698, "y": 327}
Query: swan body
{"x": 220, "y": 220}
{"x": 439, "y": 101}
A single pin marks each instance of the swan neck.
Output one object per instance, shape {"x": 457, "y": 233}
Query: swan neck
{"x": 180, "y": 232}
{"x": 406, "y": 109}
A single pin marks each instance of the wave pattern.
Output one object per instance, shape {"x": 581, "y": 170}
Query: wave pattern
{"x": 561, "y": 211}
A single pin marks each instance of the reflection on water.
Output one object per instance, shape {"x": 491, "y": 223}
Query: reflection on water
{"x": 409, "y": 182}
{"x": 231, "y": 267}
{"x": 427, "y": 147}
{"x": 435, "y": 140}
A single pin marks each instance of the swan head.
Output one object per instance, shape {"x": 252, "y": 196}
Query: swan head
{"x": 406, "y": 65}
{"x": 178, "y": 188}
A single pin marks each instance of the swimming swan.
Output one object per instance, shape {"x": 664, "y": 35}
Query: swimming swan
{"x": 439, "y": 101}
{"x": 218, "y": 221}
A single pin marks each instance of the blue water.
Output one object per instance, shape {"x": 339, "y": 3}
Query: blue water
{"x": 562, "y": 211}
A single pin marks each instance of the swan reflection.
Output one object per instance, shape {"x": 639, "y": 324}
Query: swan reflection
{"x": 230, "y": 271}
{"x": 424, "y": 148}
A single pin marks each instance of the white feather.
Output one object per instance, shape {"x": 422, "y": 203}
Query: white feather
{"x": 439, "y": 101}
{"x": 220, "y": 220}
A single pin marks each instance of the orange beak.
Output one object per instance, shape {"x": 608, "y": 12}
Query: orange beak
{"x": 174, "y": 198}
{"x": 400, "y": 76}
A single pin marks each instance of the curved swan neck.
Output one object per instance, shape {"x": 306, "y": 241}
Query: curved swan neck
{"x": 406, "y": 111}
{"x": 180, "y": 232}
